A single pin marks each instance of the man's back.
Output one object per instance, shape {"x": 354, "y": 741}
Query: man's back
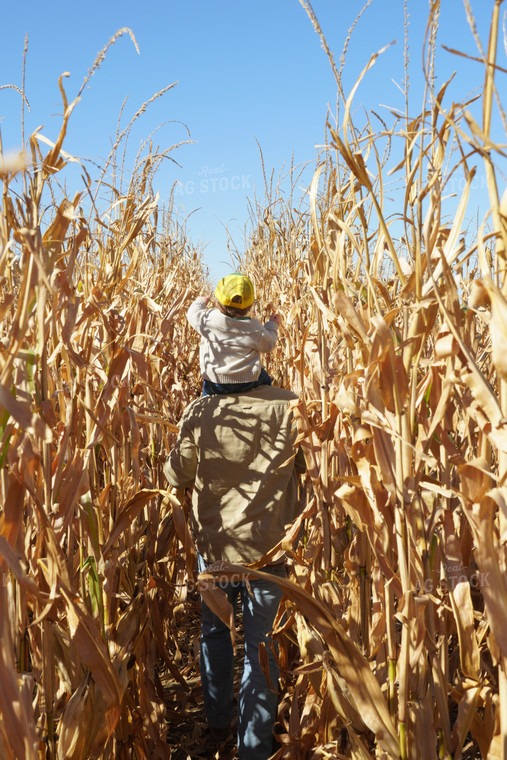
{"x": 238, "y": 451}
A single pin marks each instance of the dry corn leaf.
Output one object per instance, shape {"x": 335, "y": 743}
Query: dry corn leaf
{"x": 488, "y": 556}
{"x": 497, "y": 324}
{"x": 466, "y": 710}
{"x": 216, "y": 600}
{"x": 128, "y": 514}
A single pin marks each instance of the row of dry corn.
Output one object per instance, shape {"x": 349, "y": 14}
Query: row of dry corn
{"x": 95, "y": 372}
{"x": 395, "y": 337}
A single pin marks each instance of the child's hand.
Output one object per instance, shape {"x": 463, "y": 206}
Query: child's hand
{"x": 276, "y": 318}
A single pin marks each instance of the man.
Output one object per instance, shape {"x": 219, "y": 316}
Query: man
{"x": 238, "y": 452}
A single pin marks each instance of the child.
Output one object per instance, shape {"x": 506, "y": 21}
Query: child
{"x": 231, "y": 341}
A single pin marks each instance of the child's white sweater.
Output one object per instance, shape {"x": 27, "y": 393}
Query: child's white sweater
{"x": 230, "y": 347}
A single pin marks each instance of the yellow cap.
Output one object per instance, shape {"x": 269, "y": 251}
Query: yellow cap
{"x": 235, "y": 290}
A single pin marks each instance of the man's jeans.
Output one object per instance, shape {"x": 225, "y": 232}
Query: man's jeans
{"x": 257, "y": 704}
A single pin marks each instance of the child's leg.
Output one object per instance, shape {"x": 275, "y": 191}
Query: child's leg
{"x": 264, "y": 378}
{"x": 209, "y": 388}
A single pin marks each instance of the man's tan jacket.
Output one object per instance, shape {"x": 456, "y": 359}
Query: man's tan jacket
{"x": 238, "y": 452}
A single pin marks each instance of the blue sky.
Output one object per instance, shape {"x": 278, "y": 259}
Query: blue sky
{"x": 248, "y": 73}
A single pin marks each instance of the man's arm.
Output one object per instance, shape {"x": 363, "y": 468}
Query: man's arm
{"x": 181, "y": 465}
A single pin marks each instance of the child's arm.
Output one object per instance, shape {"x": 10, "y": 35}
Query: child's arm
{"x": 196, "y": 311}
{"x": 269, "y": 334}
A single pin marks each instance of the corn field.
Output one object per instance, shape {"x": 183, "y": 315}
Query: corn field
{"x": 392, "y": 632}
